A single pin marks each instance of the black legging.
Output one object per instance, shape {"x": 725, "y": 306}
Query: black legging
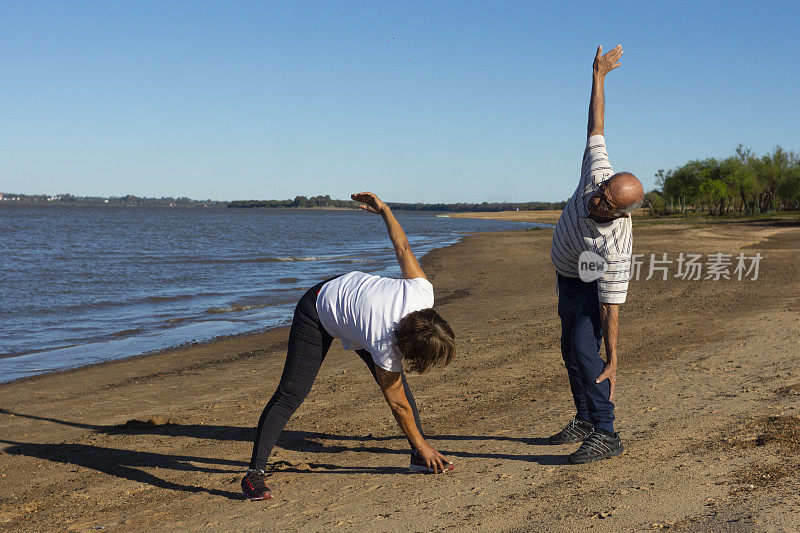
{"x": 308, "y": 344}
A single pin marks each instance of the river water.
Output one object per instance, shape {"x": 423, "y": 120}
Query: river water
{"x": 84, "y": 284}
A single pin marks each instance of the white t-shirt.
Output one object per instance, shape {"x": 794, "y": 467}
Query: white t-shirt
{"x": 575, "y": 232}
{"x": 362, "y": 310}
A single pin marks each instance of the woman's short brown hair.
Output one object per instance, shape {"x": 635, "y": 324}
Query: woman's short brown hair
{"x": 425, "y": 340}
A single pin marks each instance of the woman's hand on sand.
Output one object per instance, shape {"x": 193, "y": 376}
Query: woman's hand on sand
{"x": 433, "y": 459}
{"x": 369, "y": 202}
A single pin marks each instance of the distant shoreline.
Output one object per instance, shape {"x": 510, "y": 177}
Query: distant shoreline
{"x": 298, "y": 202}
{"x": 496, "y": 215}
{"x": 549, "y": 216}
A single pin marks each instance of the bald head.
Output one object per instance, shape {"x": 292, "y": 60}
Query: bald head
{"x": 617, "y": 197}
{"x": 626, "y": 192}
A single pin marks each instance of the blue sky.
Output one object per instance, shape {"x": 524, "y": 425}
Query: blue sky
{"x": 428, "y": 101}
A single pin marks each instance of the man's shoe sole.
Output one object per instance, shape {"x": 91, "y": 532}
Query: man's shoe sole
{"x": 608, "y": 455}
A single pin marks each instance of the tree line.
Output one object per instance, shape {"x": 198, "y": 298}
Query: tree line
{"x": 127, "y": 200}
{"x": 327, "y": 201}
{"x": 743, "y": 182}
{"x": 298, "y": 201}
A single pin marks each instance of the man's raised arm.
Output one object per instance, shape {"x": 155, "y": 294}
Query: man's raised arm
{"x": 603, "y": 64}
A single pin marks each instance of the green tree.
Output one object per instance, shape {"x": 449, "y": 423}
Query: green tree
{"x": 745, "y": 183}
{"x": 654, "y": 202}
{"x": 789, "y": 188}
{"x": 770, "y": 170}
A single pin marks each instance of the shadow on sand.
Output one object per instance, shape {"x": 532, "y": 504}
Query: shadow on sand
{"x": 128, "y": 464}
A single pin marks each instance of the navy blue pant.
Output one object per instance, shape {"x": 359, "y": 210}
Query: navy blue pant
{"x": 581, "y": 336}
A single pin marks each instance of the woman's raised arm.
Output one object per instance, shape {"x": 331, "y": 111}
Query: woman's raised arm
{"x": 405, "y": 257}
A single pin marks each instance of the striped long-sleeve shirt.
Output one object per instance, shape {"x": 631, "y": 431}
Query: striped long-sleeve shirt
{"x": 575, "y": 232}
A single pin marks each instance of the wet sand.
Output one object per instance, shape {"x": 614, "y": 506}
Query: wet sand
{"x": 707, "y": 407}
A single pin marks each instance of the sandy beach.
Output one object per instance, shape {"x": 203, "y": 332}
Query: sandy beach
{"x": 544, "y": 217}
{"x": 707, "y": 407}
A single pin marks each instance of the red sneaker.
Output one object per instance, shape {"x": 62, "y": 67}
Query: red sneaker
{"x": 254, "y": 486}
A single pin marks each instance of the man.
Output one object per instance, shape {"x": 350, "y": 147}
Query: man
{"x": 591, "y": 251}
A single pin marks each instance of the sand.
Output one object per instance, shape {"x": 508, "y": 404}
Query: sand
{"x": 707, "y": 407}
{"x": 544, "y": 217}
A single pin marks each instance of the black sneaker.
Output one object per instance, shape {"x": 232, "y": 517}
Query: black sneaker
{"x": 598, "y": 445}
{"x": 418, "y": 465}
{"x": 575, "y": 431}
{"x": 254, "y": 486}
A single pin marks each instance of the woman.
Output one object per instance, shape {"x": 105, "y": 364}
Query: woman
{"x": 386, "y": 321}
